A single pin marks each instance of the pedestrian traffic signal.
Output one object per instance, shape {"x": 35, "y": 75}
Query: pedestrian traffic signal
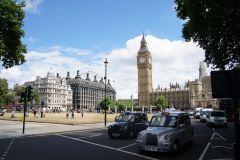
{"x": 30, "y": 93}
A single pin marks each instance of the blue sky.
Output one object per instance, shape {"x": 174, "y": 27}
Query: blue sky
{"x": 71, "y": 35}
{"x": 99, "y": 25}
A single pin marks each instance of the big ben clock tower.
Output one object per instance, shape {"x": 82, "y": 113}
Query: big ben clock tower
{"x": 144, "y": 64}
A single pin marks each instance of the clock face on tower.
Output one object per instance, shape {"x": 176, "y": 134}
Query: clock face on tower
{"x": 141, "y": 60}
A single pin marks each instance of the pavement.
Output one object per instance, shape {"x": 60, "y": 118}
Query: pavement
{"x": 13, "y": 129}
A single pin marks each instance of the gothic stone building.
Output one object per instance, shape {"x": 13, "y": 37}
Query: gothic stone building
{"x": 87, "y": 94}
{"x": 195, "y": 93}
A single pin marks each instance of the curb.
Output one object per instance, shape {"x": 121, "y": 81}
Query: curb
{"x": 71, "y": 124}
{"x": 53, "y": 133}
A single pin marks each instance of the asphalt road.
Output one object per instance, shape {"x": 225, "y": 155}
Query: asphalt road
{"x": 209, "y": 143}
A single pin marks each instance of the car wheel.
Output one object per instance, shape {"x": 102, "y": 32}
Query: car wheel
{"x": 141, "y": 151}
{"x": 110, "y": 136}
{"x": 175, "y": 147}
{"x": 131, "y": 134}
{"x": 191, "y": 139}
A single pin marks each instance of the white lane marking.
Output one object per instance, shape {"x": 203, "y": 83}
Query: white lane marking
{"x": 127, "y": 146}
{"x": 91, "y": 136}
{"x": 4, "y": 155}
{"x": 80, "y": 140}
{"x": 213, "y": 135}
{"x": 220, "y": 136}
{"x": 64, "y": 132}
{"x": 222, "y": 147}
{"x": 222, "y": 159}
{"x": 204, "y": 151}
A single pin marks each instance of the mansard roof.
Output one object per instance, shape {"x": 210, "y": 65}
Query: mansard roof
{"x": 87, "y": 83}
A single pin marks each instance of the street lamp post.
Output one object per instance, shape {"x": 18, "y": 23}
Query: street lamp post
{"x": 105, "y": 109}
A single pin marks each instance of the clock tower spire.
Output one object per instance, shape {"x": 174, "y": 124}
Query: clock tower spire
{"x": 144, "y": 65}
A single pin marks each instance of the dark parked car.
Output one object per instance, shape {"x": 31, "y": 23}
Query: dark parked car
{"x": 128, "y": 124}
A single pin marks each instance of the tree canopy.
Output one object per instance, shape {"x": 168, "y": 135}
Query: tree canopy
{"x": 161, "y": 103}
{"x": 105, "y": 103}
{"x": 6, "y": 96}
{"x": 215, "y": 25}
{"x": 12, "y": 50}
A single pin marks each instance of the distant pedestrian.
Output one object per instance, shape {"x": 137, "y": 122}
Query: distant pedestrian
{"x": 41, "y": 112}
{"x": 82, "y": 113}
{"x": 13, "y": 114}
{"x": 67, "y": 114}
{"x": 34, "y": 113}
{"x": 73, "y": 114}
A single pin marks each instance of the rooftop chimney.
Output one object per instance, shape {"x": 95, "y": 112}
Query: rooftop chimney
{"x": 95, "y": 78}
{"x": 109, "y": 82}
{"x": 68, "y": 76}
{"x": 87, "y": 78}
{"x": 77, "y": 76}
{"x": 101, "y": 81}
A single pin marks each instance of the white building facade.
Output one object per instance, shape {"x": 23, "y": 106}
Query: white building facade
{"x": 54, "y": 92}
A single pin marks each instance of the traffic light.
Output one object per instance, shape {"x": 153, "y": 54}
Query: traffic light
{"x": 30, "y": 93}
{"x": 22, "y": 97}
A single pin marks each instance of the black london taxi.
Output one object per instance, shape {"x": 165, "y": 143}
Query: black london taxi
{"x": 128, "y": 125}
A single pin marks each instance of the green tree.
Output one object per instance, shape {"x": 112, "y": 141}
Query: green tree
{"x": 129, "y": 104}
{"x": 105, "y": 103}
{"x": 11, "y": 21}
{"x": 121, "y": 106}
{"x": 215, "y": 25}
{"x": 161, "y": 103}
{"x": 6, "y": 96}
{"x": 113, "y": 104}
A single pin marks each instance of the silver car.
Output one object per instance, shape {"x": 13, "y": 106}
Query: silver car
{"x": 167, "y": 132}
{"x": 216, "y": 118}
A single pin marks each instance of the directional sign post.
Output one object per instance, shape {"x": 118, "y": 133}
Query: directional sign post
{"x": 226, "y": 84}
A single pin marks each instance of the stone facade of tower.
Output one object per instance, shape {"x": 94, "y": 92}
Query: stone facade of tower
{"x": 202, "y": 70}
{"x": 144, "y": 65}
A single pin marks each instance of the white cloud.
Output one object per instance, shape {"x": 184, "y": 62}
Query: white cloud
{"x": 173, "y": 61}
{"x": 33, "y": 6}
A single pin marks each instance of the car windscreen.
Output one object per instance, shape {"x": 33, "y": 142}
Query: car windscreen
{"x": 164, "y": 121}
{"x": 125, "y": 118}
{"x": 205, "y": 112}
{"x": 217, "y": 114}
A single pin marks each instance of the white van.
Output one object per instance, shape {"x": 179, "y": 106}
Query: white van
{"x": 203, "y": 114}
{"x": 197, "y": 112}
